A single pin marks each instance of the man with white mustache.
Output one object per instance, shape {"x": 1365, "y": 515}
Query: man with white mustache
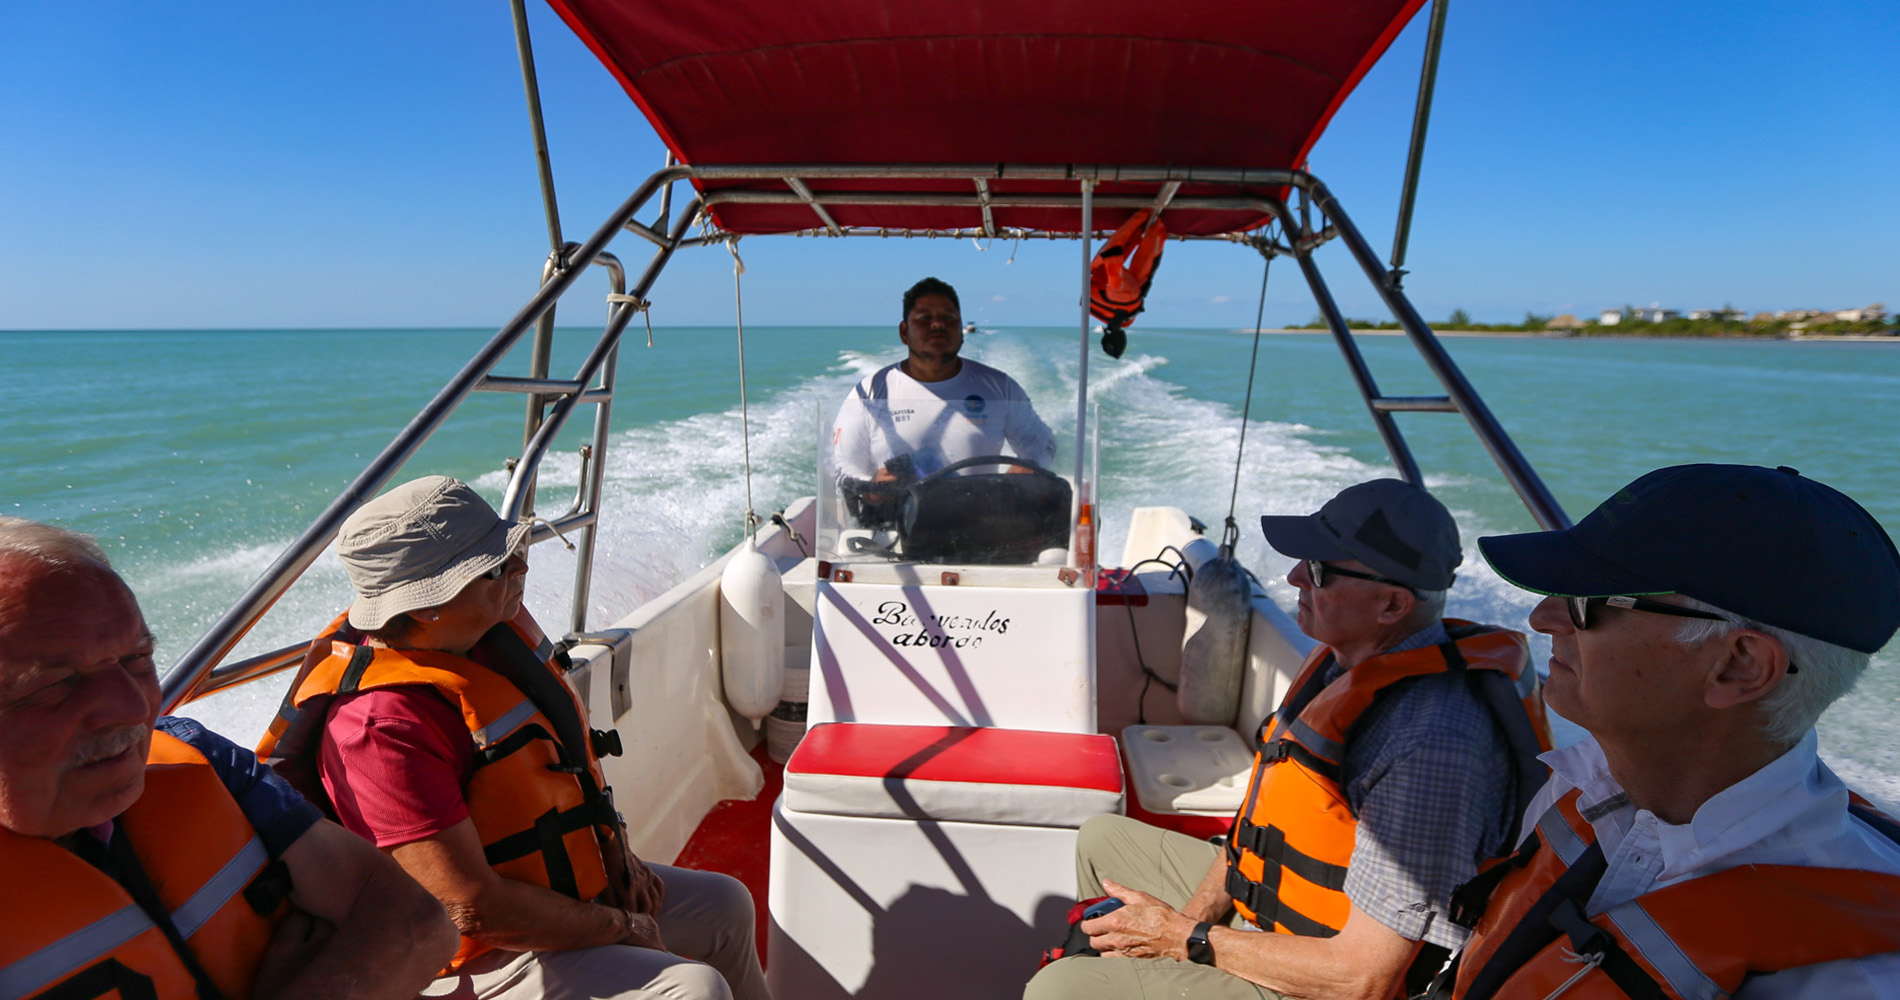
{"x": 149, "y": 856}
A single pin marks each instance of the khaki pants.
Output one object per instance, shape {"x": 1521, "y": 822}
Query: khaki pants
{"x": 707, "y": 916}
{"x": 1166, "y": 865}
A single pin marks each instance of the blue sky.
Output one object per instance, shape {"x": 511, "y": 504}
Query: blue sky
{"x": 219, "y": 164}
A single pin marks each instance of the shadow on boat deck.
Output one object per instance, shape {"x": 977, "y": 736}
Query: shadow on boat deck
{"x": 734, "y": 838}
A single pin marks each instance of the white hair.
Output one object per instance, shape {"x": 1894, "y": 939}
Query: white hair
{"x": 1431, "y": 604}
{"x": 1827, "y": 671}
{"x": 47, "y": 544}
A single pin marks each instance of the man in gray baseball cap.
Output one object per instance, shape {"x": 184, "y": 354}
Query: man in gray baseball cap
{"x": 1401, "y": 755}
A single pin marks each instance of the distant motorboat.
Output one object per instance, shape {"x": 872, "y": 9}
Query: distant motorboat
{"x": 969, "y": 328}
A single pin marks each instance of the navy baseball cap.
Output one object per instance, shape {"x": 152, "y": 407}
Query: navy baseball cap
{"x": 1767, "y": 544}
{"x": 1398, "y": 529}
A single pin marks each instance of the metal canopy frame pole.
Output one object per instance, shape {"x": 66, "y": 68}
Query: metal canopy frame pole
{"x": 543, "y": 347}
{"x": 1543, "y": 506}
{"x": 593, "y": 475}
{"x": 532, "y": 87}
{"x": 189, "y": 674}
{"x": 1082, "y": 497}
{"x": 514, "y": 501}
{"x": 1421, "y": 119}
{"x": 211, "y": 648}
{"x": 1388, "y": 428}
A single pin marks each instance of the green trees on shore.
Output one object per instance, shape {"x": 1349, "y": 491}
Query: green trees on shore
{"x": 1636, "y": 326}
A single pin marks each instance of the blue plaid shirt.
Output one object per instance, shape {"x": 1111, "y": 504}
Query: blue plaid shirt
{"x": 1430, "y": 777}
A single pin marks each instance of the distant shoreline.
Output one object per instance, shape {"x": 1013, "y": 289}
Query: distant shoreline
{"x": 1853, "y": 338}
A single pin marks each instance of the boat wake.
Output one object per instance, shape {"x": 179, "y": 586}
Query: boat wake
{"x": 675, "y": 498}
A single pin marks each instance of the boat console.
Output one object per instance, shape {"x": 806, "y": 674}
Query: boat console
{"x": 953, "y": 749}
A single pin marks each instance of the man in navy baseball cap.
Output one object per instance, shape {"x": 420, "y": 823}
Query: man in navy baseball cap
{"x": 1767, "y": 544}
{"x": 1701, "y": 619}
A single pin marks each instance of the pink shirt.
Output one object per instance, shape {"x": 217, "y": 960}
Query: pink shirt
{"x": 394, "y": 762}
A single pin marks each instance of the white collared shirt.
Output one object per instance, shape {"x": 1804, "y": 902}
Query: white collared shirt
{"x": 1791, "y": 812}
{"x": 972, "y": 413}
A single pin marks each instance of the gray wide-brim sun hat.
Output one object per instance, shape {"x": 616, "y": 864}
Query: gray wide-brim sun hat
{"x": 418, "y": 545}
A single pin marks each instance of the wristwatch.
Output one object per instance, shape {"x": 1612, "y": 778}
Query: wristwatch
{"x": 1198, "y": 950}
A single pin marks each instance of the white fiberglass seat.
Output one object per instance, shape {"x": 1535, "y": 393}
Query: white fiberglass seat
{"x": 928, "y": 861}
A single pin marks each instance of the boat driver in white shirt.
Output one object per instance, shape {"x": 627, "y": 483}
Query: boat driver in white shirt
{"x": 1701, "y": 620}
{"x": 933, "y": 409}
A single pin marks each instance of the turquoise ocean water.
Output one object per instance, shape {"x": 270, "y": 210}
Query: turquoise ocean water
{"x": 195, "y": 456}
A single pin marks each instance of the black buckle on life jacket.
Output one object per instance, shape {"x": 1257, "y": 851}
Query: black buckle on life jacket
{"x": 1283, "y": 749}
{"x": 605, "y": 812}
{"x": 1250, "y": 837}
{"x": 1248, "y": 894}
{"x": 606, "y": 742}
{"x": 1585, "y": 937}
{"x": 1469, "y": 901}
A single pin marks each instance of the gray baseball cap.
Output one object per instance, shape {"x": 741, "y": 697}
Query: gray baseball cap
{"x": 418, "y": 545}
{"x": 1397, "y": 529}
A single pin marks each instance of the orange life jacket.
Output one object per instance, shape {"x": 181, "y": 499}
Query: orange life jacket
{"x": 1123, "y": 269}
{"x": 1700, "y": 938}
{"x": 76, "y": 932}
{"x": 1293, "y": 836}
{"x": 539, "y": 803}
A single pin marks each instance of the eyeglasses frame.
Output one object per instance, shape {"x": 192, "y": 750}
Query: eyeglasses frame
{"x": 1579, "y": 609}
{"x": 500, "y": 569}
{"x": 1319, "y": 570}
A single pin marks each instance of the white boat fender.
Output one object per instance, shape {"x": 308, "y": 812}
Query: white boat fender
{"x": 1198, "y": 550}
{"x": 752, "y": 632}
{"x": 1214, "y": 650}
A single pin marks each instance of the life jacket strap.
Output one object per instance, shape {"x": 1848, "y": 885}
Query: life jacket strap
{"x": 1589, "y": 940}
{"x": 545, "y": 838}
{"x": 1469, "y": 901}
{"x": 353, "y": 674}
{"x": 1536, "y": 929}
{"x": 105, "y": 978}
{"x": 1269, "y": 842}
{"x": 514, "y": 742}
{"x": 120, "y": 861}
{"x": 1867, "y": 813}
{"x": 1263, "y": 899}
{"x": 1425, "y": 967}
{"x": 1283, "y": 749}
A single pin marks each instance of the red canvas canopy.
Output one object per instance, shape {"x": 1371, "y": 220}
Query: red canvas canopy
{"x": 1245, "y": 84}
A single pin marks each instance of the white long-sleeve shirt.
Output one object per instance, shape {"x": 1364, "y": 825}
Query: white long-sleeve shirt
{"x": 973, "y": 413}
{"x": 1791, "y": 812}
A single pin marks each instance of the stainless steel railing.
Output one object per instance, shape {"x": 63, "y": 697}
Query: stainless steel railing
{"x": 189, "y": 676}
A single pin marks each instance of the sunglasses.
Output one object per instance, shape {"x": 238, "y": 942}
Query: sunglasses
{"x": 1579, "y": 608}
{"x": 500, "y": 569}
{"x": 1320, "y": 571}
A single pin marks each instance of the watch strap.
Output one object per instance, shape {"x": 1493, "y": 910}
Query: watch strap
{"x": 1199, "y": 951}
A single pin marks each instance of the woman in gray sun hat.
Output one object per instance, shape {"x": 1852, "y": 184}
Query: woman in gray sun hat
{"x": 434, "y": 719}
{"x": 415, "y": 556}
